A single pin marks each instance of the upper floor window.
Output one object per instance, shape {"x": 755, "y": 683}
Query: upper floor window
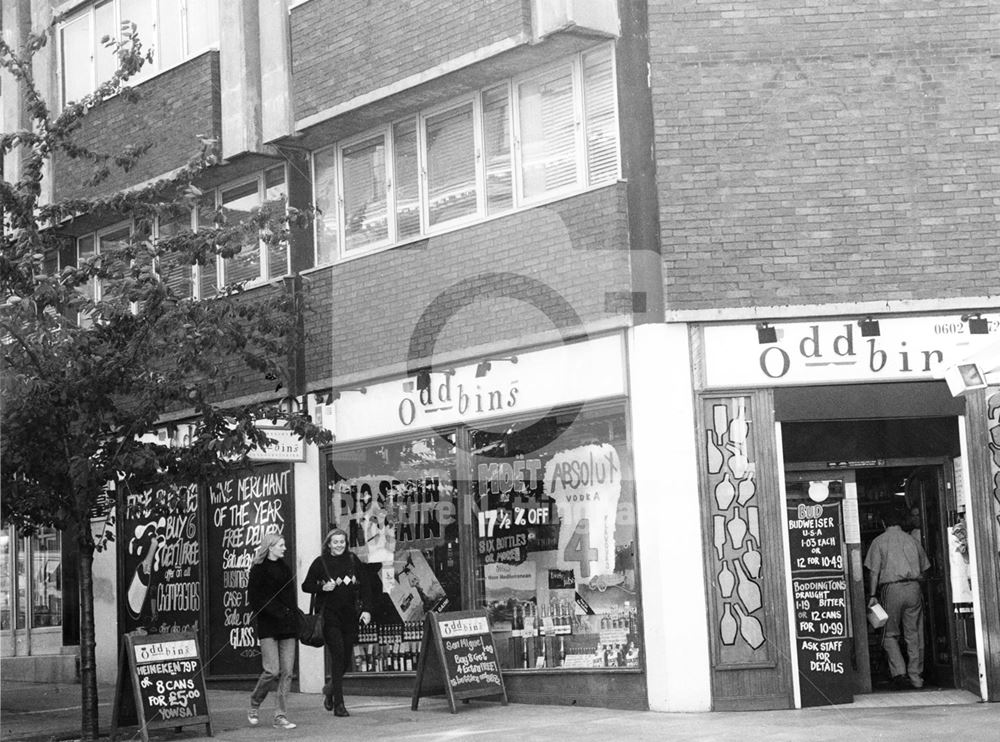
{"x": 258, "y": 261}
{"x": 174, "y": 30}
{"x": 88, "y": 246}
{"x": 530, "y": 139}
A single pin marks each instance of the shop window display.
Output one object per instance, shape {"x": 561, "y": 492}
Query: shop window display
{"x": 398, "y": 503}
{"x": 554, "y": 520}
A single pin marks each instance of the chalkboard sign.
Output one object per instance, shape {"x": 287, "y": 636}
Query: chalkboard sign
{"x": 161, "y": 559}
{"x": 458, "y": 657}
{"x": 241, "y": 508}
{"x": 819, "y": 592}
{"x": 161, "y": 684}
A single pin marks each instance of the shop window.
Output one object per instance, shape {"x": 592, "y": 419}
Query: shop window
{"x": 544, "y": 136}
{"x": 6, "y": 582}
{"x": 398, "y": 502}
{"x": 173, "y": 30}
{"x": 46, "y": 576}
{"x": 555, "y": 542}
{"x": 31, "y": 586}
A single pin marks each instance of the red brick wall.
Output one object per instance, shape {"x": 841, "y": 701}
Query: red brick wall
{"x": 344, "y": 48}
{"x": 174, "y": 108}
{"x": 368, "y": 308}
{"x": 826, "y": 152}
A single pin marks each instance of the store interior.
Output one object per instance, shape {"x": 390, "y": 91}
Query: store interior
{"x": 885, "y": 463}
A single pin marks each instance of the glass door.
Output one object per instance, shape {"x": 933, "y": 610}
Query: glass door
{"x": 31, "y": 593}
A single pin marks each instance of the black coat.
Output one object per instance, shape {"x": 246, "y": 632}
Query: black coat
{"x": 340, "y": 606}
{"x": 271, "y": 594}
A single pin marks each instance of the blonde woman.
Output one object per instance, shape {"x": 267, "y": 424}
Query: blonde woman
{"x": 271, "y": 594}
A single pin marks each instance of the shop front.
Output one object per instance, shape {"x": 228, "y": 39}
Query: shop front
{"x": 36, "y": 633}
{"x": 810, "y": 435}
{"x": 504, "y": 485}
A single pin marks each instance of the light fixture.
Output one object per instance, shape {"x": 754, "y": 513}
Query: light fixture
{"x": 869, "y": 327}
{"x": 335, "y": 394}
{"x": 423, "y": 380}
{"x": 484, "y": 366}
{"x": 977, "y": 325}
{"x": 766, "y": 334}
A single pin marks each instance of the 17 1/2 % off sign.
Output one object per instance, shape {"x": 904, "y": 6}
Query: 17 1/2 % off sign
{"x": 503, "y": 533}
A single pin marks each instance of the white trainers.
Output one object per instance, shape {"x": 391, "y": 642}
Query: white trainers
{"x": 253, "y": 716}
{"x": 281, "y": 722}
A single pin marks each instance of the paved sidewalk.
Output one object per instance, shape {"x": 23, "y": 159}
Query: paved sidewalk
{"x": 39, "y": 712}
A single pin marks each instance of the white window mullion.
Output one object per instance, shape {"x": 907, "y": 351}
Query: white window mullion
{"x": 480, "y": 154}
{"x": 515, "y": 145}
{"x": 263, "y": 264}
{"x": 340, "y": 205}
{"x": 425, "y": 201}
{"x": 392, "y": 229}
{"x": 579, "y": 117}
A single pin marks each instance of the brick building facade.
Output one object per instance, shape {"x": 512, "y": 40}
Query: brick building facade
{"x": 554, "y": 233}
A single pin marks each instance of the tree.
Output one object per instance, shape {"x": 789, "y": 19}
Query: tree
{"x": 88, "y": 372}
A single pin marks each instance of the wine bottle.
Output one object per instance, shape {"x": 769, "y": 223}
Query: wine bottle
{"x": 737, "y": 528}
{"x": 728, "y": 626}
{"x": 746, "y": 489}
{"x": 719, "y": 538}
{"x": 752, "y": 562}
{"x": 727, "y": 580}
{"x": 725, "y": 492}
{"x": 747, "y": 589}
{"x": 750, "y": 629}
{"x": 714, "y": 454}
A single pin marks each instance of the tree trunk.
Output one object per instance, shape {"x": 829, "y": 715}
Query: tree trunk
{"x": 90, "y": 729}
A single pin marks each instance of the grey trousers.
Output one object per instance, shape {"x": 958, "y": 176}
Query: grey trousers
{"x": 904, "y": 604}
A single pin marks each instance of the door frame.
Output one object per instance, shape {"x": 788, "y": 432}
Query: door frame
{"x": 946, "y": 502}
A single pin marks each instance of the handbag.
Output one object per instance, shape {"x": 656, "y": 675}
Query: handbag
{"x": 310, "y": 626}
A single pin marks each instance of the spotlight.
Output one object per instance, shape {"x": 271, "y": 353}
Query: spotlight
{"x": 766, "y": 334}
{"x": 977, "y": 325}
{"x": 423, "y": 380}
{"x": 869, "y": 328}
{"x": 486, "y": 364}
{"x": 335, "y": 394}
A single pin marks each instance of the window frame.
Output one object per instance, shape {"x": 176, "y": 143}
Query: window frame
{"x": 339, "y": 251}
{"x": 150, "y": 69}
{"x": 263, "y": 263}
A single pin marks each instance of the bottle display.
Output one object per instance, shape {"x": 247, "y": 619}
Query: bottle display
{"x": 388, "y": 647}
{"x": 555, "y": 635}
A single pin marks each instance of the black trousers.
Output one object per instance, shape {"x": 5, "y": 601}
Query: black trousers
{"x": 341, "y": 648}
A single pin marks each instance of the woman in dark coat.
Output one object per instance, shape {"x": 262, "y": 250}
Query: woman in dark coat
{"x": 340, "y": 584}
{"x": 271, "y": 594}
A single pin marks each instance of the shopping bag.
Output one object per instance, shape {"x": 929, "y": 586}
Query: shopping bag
{"x": 877, "y": 615}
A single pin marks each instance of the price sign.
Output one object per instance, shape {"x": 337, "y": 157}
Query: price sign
{"x": 819, "y": 592}
{"x": 458, "y": 657}
{"x": 161, "y": 683}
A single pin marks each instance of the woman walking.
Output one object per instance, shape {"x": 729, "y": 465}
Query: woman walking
{"x": 341, "y": 587}
{"x": 271, "y": 594}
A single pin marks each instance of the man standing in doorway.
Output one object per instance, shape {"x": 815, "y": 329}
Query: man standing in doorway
{"x": 896, "y": 564}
